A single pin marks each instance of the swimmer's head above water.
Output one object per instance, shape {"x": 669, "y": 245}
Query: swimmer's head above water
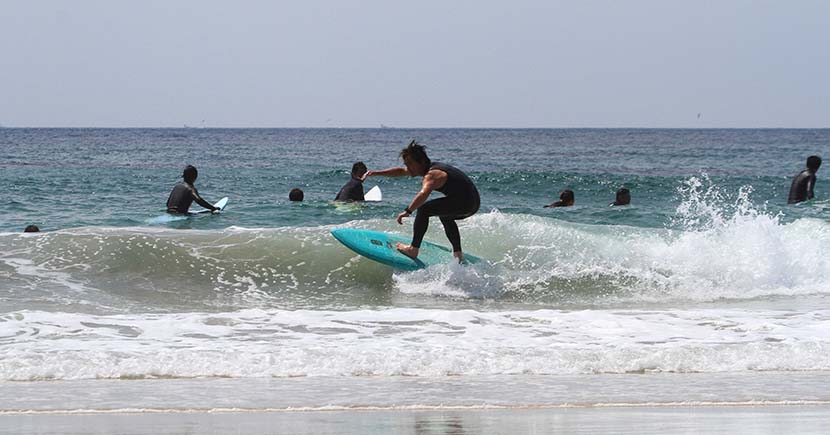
{"x": 623, "y": 197}
{"x": 190, "y": 174}
{"x": 358, "y": 169}
{"x": 813, "y": 163}
{"x": 295, "y": 195}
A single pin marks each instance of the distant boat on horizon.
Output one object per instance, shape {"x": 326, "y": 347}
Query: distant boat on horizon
{"x": 191, "y": 127}
{"x": 385, "y": 127}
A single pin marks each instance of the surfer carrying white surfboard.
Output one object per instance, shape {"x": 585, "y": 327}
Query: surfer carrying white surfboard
{"x": 185, "y": 193}
{"x": 461, "y": 198}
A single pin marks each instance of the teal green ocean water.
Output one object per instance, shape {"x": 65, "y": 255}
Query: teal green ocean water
{"x": 67, "y": 178}
{"x": 707, "y": 271}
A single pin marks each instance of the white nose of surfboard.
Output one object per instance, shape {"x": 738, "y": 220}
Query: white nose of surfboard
{"x": 373, "y": 195}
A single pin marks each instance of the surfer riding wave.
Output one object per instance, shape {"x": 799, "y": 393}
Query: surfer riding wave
{"x": 461, "y": 198}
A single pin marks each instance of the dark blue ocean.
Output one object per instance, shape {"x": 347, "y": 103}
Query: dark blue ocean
{"x": 708, "y": 271}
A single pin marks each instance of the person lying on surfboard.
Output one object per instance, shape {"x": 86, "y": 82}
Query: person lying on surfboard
{"x": 461, "y": 198}
{"x": 353, "y": 189}
{"x": 566, "y": 199}
{"x": 185, "y": 193}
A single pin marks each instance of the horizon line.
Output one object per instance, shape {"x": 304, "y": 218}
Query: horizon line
{"x": 6, "y": 127}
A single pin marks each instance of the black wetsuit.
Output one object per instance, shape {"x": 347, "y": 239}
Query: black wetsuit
{"x": 182, "y": 196}
{"x": 461, "y": 201}
{"x": 351, "y": 191}
{"x": 802, "y": 187}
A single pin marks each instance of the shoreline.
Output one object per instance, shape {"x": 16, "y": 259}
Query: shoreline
{"x": 423, "y": 408}
{"x": 726, "y": 420}
{"x": 404, "y": 394}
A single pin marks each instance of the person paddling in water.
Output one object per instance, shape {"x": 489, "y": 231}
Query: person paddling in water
{"x": 185, "y": 193}
{"x": 461, "y": 198}
{"x": 801, "y": 188}
{"x": 353, "y": 190}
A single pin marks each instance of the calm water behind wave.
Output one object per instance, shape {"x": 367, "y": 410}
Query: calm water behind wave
{"x": 61, "y": 178}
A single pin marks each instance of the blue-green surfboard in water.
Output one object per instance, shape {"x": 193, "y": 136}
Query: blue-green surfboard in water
{"x": 380, "y": 247}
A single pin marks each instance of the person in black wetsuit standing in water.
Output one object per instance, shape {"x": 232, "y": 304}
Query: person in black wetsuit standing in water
{"x": 802, "y": 187}
{"x": 185, "y": 193}
{"x": 353, "y": 189}
{"x": 461, "y": 198}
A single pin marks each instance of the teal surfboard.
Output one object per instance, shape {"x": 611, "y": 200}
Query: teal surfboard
{"x": 380, "y": 247}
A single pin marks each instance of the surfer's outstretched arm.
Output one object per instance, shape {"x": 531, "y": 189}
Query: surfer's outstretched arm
{"x": 391, "y": 172}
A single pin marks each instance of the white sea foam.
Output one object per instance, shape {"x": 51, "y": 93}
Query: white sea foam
{"x": 409, "y": 342}
{"x": 717, "y": 250}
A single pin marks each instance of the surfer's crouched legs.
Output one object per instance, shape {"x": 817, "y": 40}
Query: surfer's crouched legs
{"x": 448, "y": 210}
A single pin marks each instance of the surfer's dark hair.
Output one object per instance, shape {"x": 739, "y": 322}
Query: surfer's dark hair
{"x": 190, "y": 173}
{"x": 32, "y": 229}
{"x": 359, "y": 168}
{"x": 566, "y": 195}
{"x": 813, "y": 162}
{"x": 295, "y": 195}
{"x": 417, "y": 152}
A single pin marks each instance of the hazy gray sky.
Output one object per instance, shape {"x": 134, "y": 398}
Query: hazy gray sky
{"x": 340, "y": 63}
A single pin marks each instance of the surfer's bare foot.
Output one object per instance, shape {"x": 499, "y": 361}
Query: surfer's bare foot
{"x": 459, "y": 256}
{"x": 409, "y": 251}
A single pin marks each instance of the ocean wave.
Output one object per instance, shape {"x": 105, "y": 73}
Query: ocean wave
{"x": 408, "y": 342}
{"x": 530, "y": 259}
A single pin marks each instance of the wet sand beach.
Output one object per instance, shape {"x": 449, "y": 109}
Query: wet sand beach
{"x": 645, "y": 403}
